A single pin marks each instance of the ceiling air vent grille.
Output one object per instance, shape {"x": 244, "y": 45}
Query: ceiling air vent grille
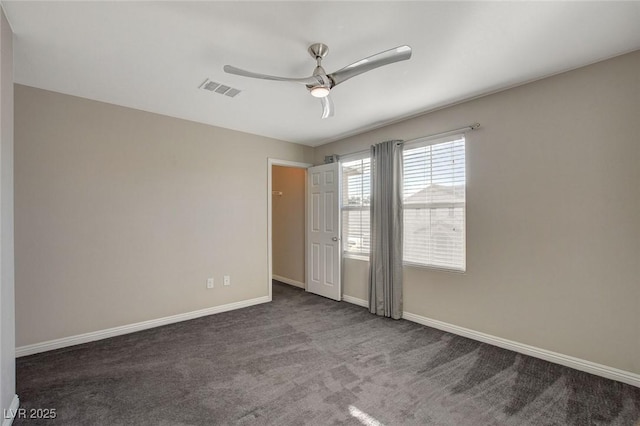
{"x": 221, "y": 89}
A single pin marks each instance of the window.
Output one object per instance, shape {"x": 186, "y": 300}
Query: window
{"x": 356, "y": 186}
{"x": 434, "y": 203}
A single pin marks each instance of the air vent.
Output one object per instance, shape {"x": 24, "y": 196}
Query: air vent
{"x": 221, "y": 89}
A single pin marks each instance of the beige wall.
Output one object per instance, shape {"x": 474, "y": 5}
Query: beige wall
{"x": 553, "y": 208}
{"x": 288, "y": 222}
{"x": 7, "y": 308}
{"x": 122, "y": 215}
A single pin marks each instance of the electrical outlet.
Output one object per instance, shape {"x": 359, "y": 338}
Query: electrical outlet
{"x": 209, "y": 282}
{"x": 227, "y": 280}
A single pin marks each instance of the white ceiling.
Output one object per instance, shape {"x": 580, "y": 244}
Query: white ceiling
{"x": 153, "y": 55}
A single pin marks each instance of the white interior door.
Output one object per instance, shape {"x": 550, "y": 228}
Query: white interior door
{"x": 323, "y": 231}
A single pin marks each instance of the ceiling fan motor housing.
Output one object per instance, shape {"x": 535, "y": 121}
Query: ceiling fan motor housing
{"x": 317, "y": 52}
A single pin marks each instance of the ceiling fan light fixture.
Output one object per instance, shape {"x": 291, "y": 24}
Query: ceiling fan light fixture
{"x": 320, "y": 92}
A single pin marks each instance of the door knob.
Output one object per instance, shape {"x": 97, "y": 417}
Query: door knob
{"x": 334, "y": 239}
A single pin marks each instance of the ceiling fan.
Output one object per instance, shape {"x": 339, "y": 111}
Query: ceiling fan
{"x": 320, "y": 83}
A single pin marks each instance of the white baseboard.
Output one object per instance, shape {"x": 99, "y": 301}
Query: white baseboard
{"x": 355, "y": 301}
{"x": 132, "y": 328}
{"x": 10, "y": 413}
{"x": 288, "y": 281}
{"x": 557, "y": 358}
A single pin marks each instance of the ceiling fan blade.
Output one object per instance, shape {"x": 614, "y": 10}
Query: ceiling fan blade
{"x": 400, "y": 53}
{"x": 327, "y": 107}
{"x": 237, "y": 71}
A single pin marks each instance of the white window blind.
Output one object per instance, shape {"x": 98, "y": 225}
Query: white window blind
{"x": 356, "y": 191}
{"x": 434, "y": 203}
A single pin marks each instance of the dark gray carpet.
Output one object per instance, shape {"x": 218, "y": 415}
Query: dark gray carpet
{"x": 304, "y": 359}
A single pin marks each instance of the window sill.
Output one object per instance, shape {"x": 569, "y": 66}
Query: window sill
{"x": 434, "y": 268}
{"x": 365, "y": 258}
{"x": 362, "y": 257}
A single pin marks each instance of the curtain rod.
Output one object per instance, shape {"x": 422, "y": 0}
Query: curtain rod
{"x": 473, "y": 126}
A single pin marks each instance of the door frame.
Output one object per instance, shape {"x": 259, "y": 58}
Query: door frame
{"x": 284, "y": 163}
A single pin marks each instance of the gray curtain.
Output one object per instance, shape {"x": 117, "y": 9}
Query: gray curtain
{"x": 385, "y": 260}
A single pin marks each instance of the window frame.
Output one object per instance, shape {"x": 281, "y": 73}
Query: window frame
{"x": 359, "y": 255}
{"x": 430, "y": 141}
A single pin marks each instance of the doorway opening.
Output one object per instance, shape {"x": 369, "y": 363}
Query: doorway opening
{"x": 287, "y": 222}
